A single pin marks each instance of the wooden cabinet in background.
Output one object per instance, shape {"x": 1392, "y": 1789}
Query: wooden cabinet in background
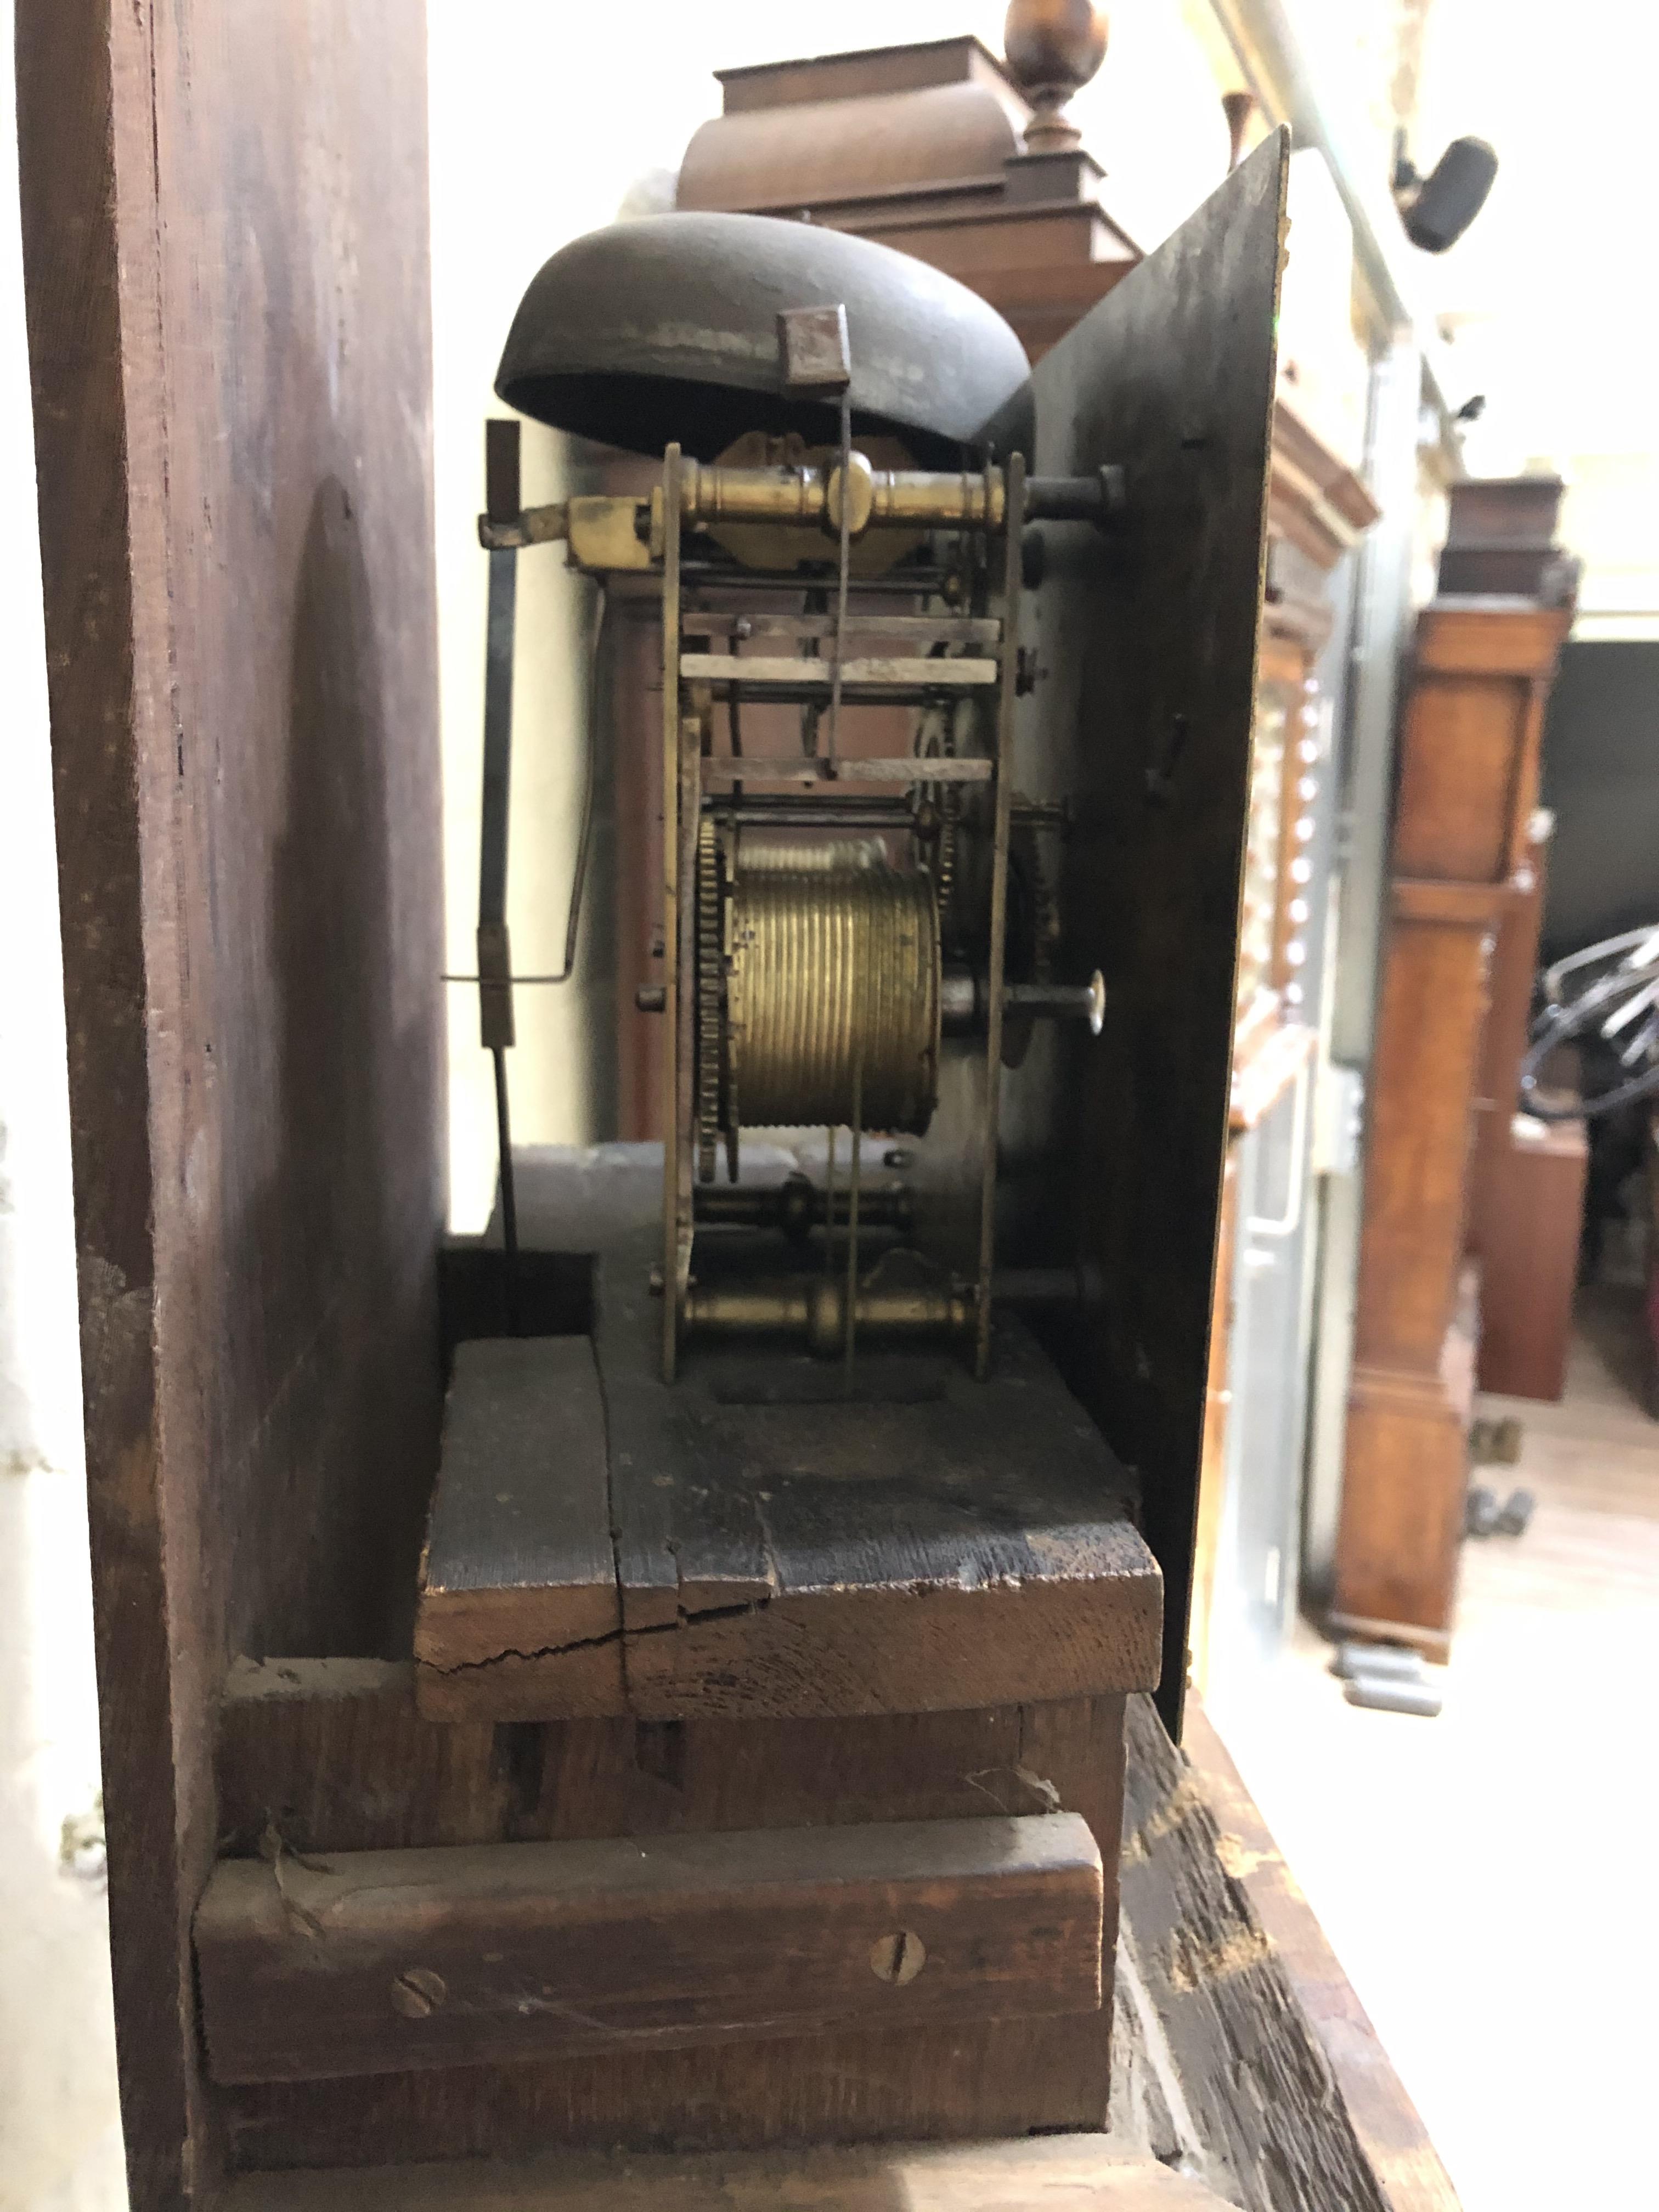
{"x": 1527, "y": 1176}
{"x": 1468, "y": 780}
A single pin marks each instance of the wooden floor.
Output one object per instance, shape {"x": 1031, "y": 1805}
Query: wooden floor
{"x": 1485, "y": 1879}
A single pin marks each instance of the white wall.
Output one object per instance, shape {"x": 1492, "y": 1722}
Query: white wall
{"x": 1549, "y": 299}
{"x": 575, "y": 131}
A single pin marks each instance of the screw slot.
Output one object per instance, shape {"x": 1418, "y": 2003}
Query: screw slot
{"x": 897, "y": 1959}
{"x": 418, "y": 1992}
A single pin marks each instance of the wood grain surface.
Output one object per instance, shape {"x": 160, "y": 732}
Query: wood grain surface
{"x": 1468, "y": 787}
{"x": 372, "y": 1962}
{"x": 1525, "y": 1191}
{"x": 321, "y": 1757}
{"x": 1054, "y": 2174}
{"x": 518, "y": 1553}
{"x": 1264, "y": 2111}
{"x": 1144, "y": 724}
{"x": 1406, "y": 2166}
{"x": 863, "y": 1557}
{"x": 769, "y": 1545}
{"x": 224, "y": 235}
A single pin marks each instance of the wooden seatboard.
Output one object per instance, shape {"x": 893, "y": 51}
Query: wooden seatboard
{"x": 522, "y": 1516}
{"x": 852, "y": 1555}
{"x": 857, "y": 1557}
{"x": 372, "y": 1962}
{"x": 1045, "y": 2173}
{"x": 320, "y": 1756}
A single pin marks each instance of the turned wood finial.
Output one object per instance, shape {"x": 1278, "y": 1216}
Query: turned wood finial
{"x": 1237, "y": 107}
{"x": 1053, "y": 48}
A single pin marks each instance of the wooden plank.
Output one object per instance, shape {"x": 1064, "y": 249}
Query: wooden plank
{"x": 522, "y": 1507}
{"x": 78, "y": 105}
{"x": 1270, "y": 2125}
{"x": 1390, "y": 2131}
{"x": 1144, "y": 724}
{"x": 829, "y": 1556}
{"x": 332, "y": 1754}
{"x": 861, "y": 1556}
{"x": 376, "y": 1961}
{"x": 236, "y": 550}
{"x": 335, "y": 1755}
{"x": 1049, "y": 2174}
{"x": 319, "y": 1765}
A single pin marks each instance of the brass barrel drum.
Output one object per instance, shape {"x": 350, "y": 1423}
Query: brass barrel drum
{"x": 829, "y": 986}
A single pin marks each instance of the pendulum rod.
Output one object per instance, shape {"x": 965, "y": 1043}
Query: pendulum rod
{"x": 494, "y": 956}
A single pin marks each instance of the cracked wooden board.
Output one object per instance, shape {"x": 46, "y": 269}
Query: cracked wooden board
{"x": 518, "y": 1578}
{"x": 973, "y": 1548}
{"x": 968, "y": 1546}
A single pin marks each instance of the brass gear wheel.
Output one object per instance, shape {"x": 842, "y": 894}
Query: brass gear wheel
{"x": 710, "y": 994}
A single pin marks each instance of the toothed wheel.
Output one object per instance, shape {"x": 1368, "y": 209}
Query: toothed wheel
{"x": 709, "y": 967}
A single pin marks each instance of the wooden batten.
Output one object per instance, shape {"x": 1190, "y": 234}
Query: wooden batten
{"x": 373, "y": 1962}
{"x": 1063, "y": 2173}
{"x": 321, "y": 1758}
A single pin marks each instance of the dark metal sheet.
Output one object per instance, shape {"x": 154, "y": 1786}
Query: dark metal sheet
{"x": 1143, "y": 721}
{"x": 666, "y": 329}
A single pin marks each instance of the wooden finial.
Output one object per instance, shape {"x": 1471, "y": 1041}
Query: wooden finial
{"x": 1053, "y": 48}
{"x": 1237, "y": 107}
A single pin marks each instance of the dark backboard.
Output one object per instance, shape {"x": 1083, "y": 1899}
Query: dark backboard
{"x": 1142, "y": 718}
